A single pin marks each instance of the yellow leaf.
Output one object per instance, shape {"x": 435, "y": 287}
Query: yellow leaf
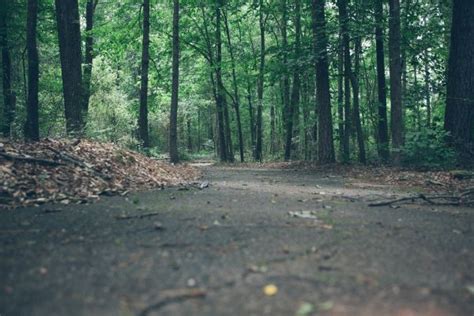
{"x": 270, "y": 290}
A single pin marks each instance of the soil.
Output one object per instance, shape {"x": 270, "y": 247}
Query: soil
{"x": 233, "y": 248}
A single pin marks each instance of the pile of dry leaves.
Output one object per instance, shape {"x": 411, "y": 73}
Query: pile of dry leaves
{"x": 78, "y": 171}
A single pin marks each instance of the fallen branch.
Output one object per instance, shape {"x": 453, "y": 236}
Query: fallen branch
{"x": 31, "y": 159}
{"x": 452, "y": 200}
{"x": 174, "y": 296}
{"x": 123, "y": 217}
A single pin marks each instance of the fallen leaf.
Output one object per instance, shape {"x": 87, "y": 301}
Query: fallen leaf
{"x": 270, "y": 289}
{"x": 305, "y": 309}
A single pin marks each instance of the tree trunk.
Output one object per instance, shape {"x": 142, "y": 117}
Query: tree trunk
{"x": 344, "y": 25}
{"x": 174, "y": 155}
{"x": 382, "y": 126}
{"x": 8, "y": 95}
{"x": 427, "y": 90}
{"x": 189, "y": 133}
{"x": 223, "y": 149}
{"x": 340, "y": 94}
{"x": 355, "y": 88}
{"x": 395, "y": 81}
{"x": 32, "y": 120}
{"x": 323, "y": 96}
{"x": 89, "y": 56}
{"x": 287, "y": 105}
{"x": 236, "y": 89}
{"x": 69, "y": 33}
{"x": 459, "y": 117}
{"x": 259, "y": 145}
{"x": 295, "y": 94}
{"x": 143, "y": 112}
{"x": 228, "y": 132}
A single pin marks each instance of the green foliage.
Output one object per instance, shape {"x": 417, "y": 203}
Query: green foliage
{"x": 427, "y": 148}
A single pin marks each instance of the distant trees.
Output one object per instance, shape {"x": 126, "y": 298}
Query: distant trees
{"x": 459, "y": 117}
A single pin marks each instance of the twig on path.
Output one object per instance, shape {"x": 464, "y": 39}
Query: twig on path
{"x": 450, "y": 200}
{"x": 174, "y": 296}
{"x": 140, "y": 216}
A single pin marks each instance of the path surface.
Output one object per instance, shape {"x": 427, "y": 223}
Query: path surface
{"x": 212, "y": 251}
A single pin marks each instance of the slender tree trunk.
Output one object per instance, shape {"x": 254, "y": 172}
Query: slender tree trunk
{"x": 382, "y": 126}
{"x": 236, "y": 89}
{"x": 189, "y": 134}
{"x": 251, "y": 116}
{"x": 295, "y": 94}
{"x": 340, "y": 94}
{"x": 143, "y": 112}
{"x": 69, "y": 33}
{"x": 355, "y": 88}
{"x": 89, "y": 56}
{"x": 228, "y": 132}
{"x": 8, "y": 95}
{"x": 287, "y": 104}
{"x": 395, "y": 81}
{"x": 323, "y": 96}
{"x": 32, "y": 121}
{"x": 174, "y": 155}
{"x": 223, "y": 149}
{"x": 344, "y": 25}
{"x": 427, "y": 90}
{"x": 459, "y": 117}
{"x": 259, "y": 145}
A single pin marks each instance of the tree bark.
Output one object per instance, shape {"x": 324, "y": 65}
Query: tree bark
{"x": 174, "y": 155}
{"x": 287, "y": 105}
{"x": 69, "y": 33}
{"x": 223, "y": 149}
{"x": 459, "y": 117}
{"x": 323, "y": 96}
{"x": 356, "y": 102}
{"x": 382, "y": 122}
{"x": 143, "y": 111}
{"x": 89, "y": 56}
{"x": 236, "y": 89}
{"x": 395, "y": 81}
{"x": 8, "y": 95}
{"x": 32, "y": 116}
{"x": 259, "y": 145}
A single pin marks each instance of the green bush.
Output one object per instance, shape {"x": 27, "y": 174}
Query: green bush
{"x": 428, "y": 148}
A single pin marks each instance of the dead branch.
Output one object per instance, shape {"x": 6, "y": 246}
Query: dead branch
{"x": 41, "y": 161}
{"x": 140, "y": 216}
{"x": 450, "y": 200}
{"x": 174, "y": 296}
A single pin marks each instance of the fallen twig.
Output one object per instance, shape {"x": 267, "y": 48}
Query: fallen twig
{"x": 31, "y": 159}
{"x": 174, "y": 296}
{"x": 123, "y": 217}
{"x": 452, "y": 200}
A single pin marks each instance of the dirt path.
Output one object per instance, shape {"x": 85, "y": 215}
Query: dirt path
{"x": 212, "y": 251}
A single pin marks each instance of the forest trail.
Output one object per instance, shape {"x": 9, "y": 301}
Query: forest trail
{"x": 241, "y": 246}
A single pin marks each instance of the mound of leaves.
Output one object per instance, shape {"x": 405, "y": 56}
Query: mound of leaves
{"x": 79, "y": 171}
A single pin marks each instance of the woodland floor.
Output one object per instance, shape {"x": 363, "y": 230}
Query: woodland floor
{"x": 214, "y": 251}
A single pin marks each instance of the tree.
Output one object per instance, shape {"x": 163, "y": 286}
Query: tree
{"x": 174, "y": 156}
{"x": 69, "y": 33}
{"x": 382, "y": 126}
{"x": 32, "y": 116}
{"x": 261, "y": 69}
{"x": 323, "y": 96}
{"x": 143, "y": 112}
{"x": 287, "y": 105}
{"x": 8, "y": 95}
{"x": 395, "y": 80}
{"x": 459, "y": 115}
{"x": 89, "y": 55}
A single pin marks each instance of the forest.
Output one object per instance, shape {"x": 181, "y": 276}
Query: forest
{"x": 348, "y": 81}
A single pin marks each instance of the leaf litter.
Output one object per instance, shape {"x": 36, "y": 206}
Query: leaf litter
{"x": 79, "y": 171}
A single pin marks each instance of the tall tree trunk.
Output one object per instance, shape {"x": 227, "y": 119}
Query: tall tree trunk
{"x": 236, "y": 89}
{"x": 174, "y": 155}
{"x": 323, "y": 96}
{"x": 228, "y": 132}
{"x": 427, "y": 90}
{"x": 295, "y": 94}
{"x": 251, "y": 116}
{"x": 382, "y": 126}
{"x": 344, "y": 25}
{"x": 340, "y": 94}
{"x": 223, "y": 149}
{"x": 259, "y": 145}
{"x": 89, "y": 56}
{"x": 8, "y": 95}
{"x": 32, "y": 122}
{"x": 143, "y": 112}
{"x": 189, "y": 134}
{"x": 459, "y": 117}
{"x": 287, "y": 105}
{"x": 395, "y": 81}
{"x": 69, "y": 33}
{"x": 355, "y": 88}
